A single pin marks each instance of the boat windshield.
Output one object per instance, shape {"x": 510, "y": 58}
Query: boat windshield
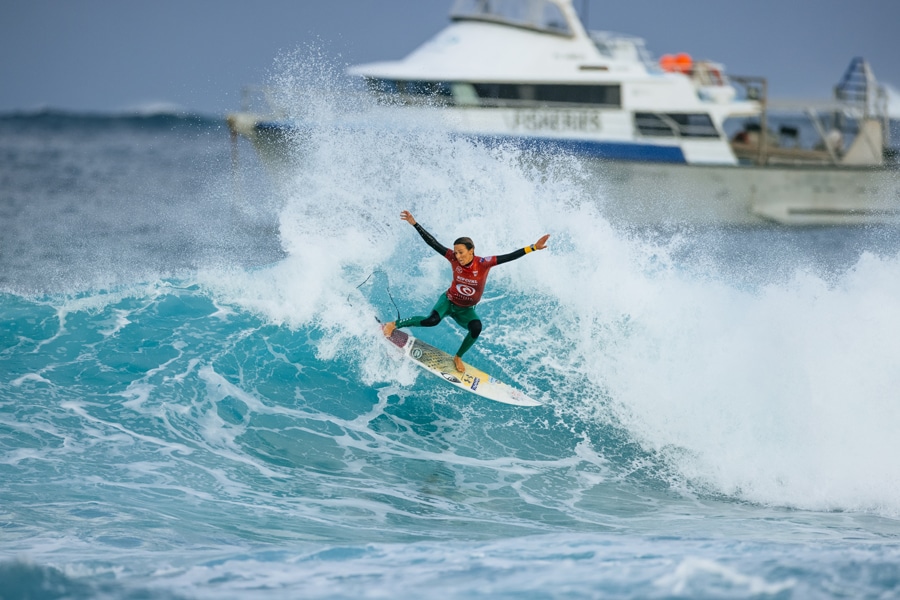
{"x": 540, "y": 15}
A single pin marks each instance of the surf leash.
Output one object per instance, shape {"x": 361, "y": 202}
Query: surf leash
{"x": 387, "y": 288}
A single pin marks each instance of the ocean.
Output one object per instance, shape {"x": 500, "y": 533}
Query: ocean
{"x": 195, "y": 401}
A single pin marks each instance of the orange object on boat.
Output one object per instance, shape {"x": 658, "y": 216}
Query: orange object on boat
{"x": 684, "y": 63}
{"x": 676, "y": 63}
{"x": 667, "y": 62}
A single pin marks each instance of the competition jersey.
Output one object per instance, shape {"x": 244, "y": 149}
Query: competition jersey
{"x": 468, "y": 281}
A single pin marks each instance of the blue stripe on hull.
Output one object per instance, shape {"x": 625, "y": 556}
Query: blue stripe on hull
{"x": 603, "y": 150}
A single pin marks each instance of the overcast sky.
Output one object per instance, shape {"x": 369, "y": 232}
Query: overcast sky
{"x": 112, "y": 55}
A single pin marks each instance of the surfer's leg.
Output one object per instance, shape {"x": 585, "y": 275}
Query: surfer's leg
{"x": 474, "y": 327}
{"x": 429, "y": 321}
{"x": 437, "y": 313}
{"x": 467, "y": 318}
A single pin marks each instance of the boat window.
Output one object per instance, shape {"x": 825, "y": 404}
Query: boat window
{"x": 497, "y": 91}
{"x": 608, "y": 95}
{"x": 409, "y": 88}
{"x": 689, "y": 125}
{"x": 540, "y": 15}
{"x": 500, "y": 94}
{"x": 695, "y": 125}
{"x": 381, "y": 86}
{"x": 509, "y": 93}
{"x": 464, "y": 94}
{"x": 652, "y": 125}
{"x": 423, "y": 88}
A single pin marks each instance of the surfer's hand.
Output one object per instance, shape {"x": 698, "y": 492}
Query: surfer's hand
{"x": 541, "y": 243}
{"x": 407, "y": 216}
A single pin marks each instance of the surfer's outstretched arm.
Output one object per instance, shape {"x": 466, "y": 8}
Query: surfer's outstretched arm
{"x": 429, "y": 239}
{"x": 538, "y": 245}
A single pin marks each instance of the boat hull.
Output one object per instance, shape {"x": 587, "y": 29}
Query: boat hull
{"x": 659, "y": 194}
{"x": 663, "y": 194}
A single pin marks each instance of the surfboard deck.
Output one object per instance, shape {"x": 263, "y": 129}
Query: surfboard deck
{"x": 474, "y": 380}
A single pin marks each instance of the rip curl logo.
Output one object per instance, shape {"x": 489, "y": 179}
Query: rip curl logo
{"x": 416, "y": 353}
{"x": 465, "y": 290}
{"x": 450, "y": 378}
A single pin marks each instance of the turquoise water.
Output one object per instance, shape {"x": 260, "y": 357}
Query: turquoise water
{"x": 195, "y": 402}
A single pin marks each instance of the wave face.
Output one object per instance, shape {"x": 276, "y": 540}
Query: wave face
{"x": 196, "y": 399}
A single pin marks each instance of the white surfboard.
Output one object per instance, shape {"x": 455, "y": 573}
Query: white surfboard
{"x": 475, "y": 381}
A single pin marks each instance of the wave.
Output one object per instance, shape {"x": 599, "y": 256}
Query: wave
{"x": 153, "y": 117}
{"x": 664, "y": 366}
{"x": 266, "y": 384}
{"x": 764, "y": 382}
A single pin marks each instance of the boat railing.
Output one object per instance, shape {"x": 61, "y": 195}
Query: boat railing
{"x": 859, "y": 87}
{"x": 851, "y": 130}
{"x": 620, "y": 46}
{"x": 761, "y": 145}
{"x": 755, "y": 89}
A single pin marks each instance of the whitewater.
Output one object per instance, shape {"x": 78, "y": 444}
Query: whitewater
{"x": 195, "y": 401}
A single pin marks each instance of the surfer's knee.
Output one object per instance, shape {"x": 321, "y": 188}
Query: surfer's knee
{"x": 431, "y": 320}
{"x": 474, "y": 327}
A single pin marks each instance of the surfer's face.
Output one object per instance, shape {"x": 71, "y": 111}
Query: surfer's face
{"x": 463, "y": 254}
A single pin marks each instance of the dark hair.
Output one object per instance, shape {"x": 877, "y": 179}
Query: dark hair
{"x": 465, "y": 241}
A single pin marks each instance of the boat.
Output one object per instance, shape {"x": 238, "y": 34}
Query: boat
{"x": 674, "y": 141}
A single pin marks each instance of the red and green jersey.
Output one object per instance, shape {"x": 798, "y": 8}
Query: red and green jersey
{"x": 469, "y": 280}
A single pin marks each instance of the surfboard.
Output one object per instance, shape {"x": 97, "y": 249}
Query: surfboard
{"x": 475, "y": 381}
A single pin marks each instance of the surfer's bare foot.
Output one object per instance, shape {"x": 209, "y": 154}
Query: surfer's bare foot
{"x": 458, "y": 363}
{"x": 389, "y": 328}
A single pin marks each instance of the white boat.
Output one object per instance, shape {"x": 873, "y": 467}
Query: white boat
{"x": 676, "y": 141}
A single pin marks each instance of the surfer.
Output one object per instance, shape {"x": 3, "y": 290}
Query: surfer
{"x": 469, "y": 276}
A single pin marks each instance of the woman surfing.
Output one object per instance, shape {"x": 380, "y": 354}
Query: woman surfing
{"x": 469, "y": 277}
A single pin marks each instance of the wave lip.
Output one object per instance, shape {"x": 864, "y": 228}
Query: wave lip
{"x": 146, "y": 114}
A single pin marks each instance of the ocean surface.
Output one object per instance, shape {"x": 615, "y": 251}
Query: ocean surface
{"x": 195, "y": 401}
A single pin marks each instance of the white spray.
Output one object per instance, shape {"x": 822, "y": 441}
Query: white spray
{"x": 785, "y": 393}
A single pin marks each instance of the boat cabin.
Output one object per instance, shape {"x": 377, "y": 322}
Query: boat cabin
{"x": 544, "y": 16}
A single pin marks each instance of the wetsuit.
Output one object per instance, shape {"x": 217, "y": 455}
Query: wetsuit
{"x": 464, "y": 293}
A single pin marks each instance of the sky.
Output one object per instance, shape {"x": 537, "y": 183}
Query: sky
{"x": 196, "y": 55}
